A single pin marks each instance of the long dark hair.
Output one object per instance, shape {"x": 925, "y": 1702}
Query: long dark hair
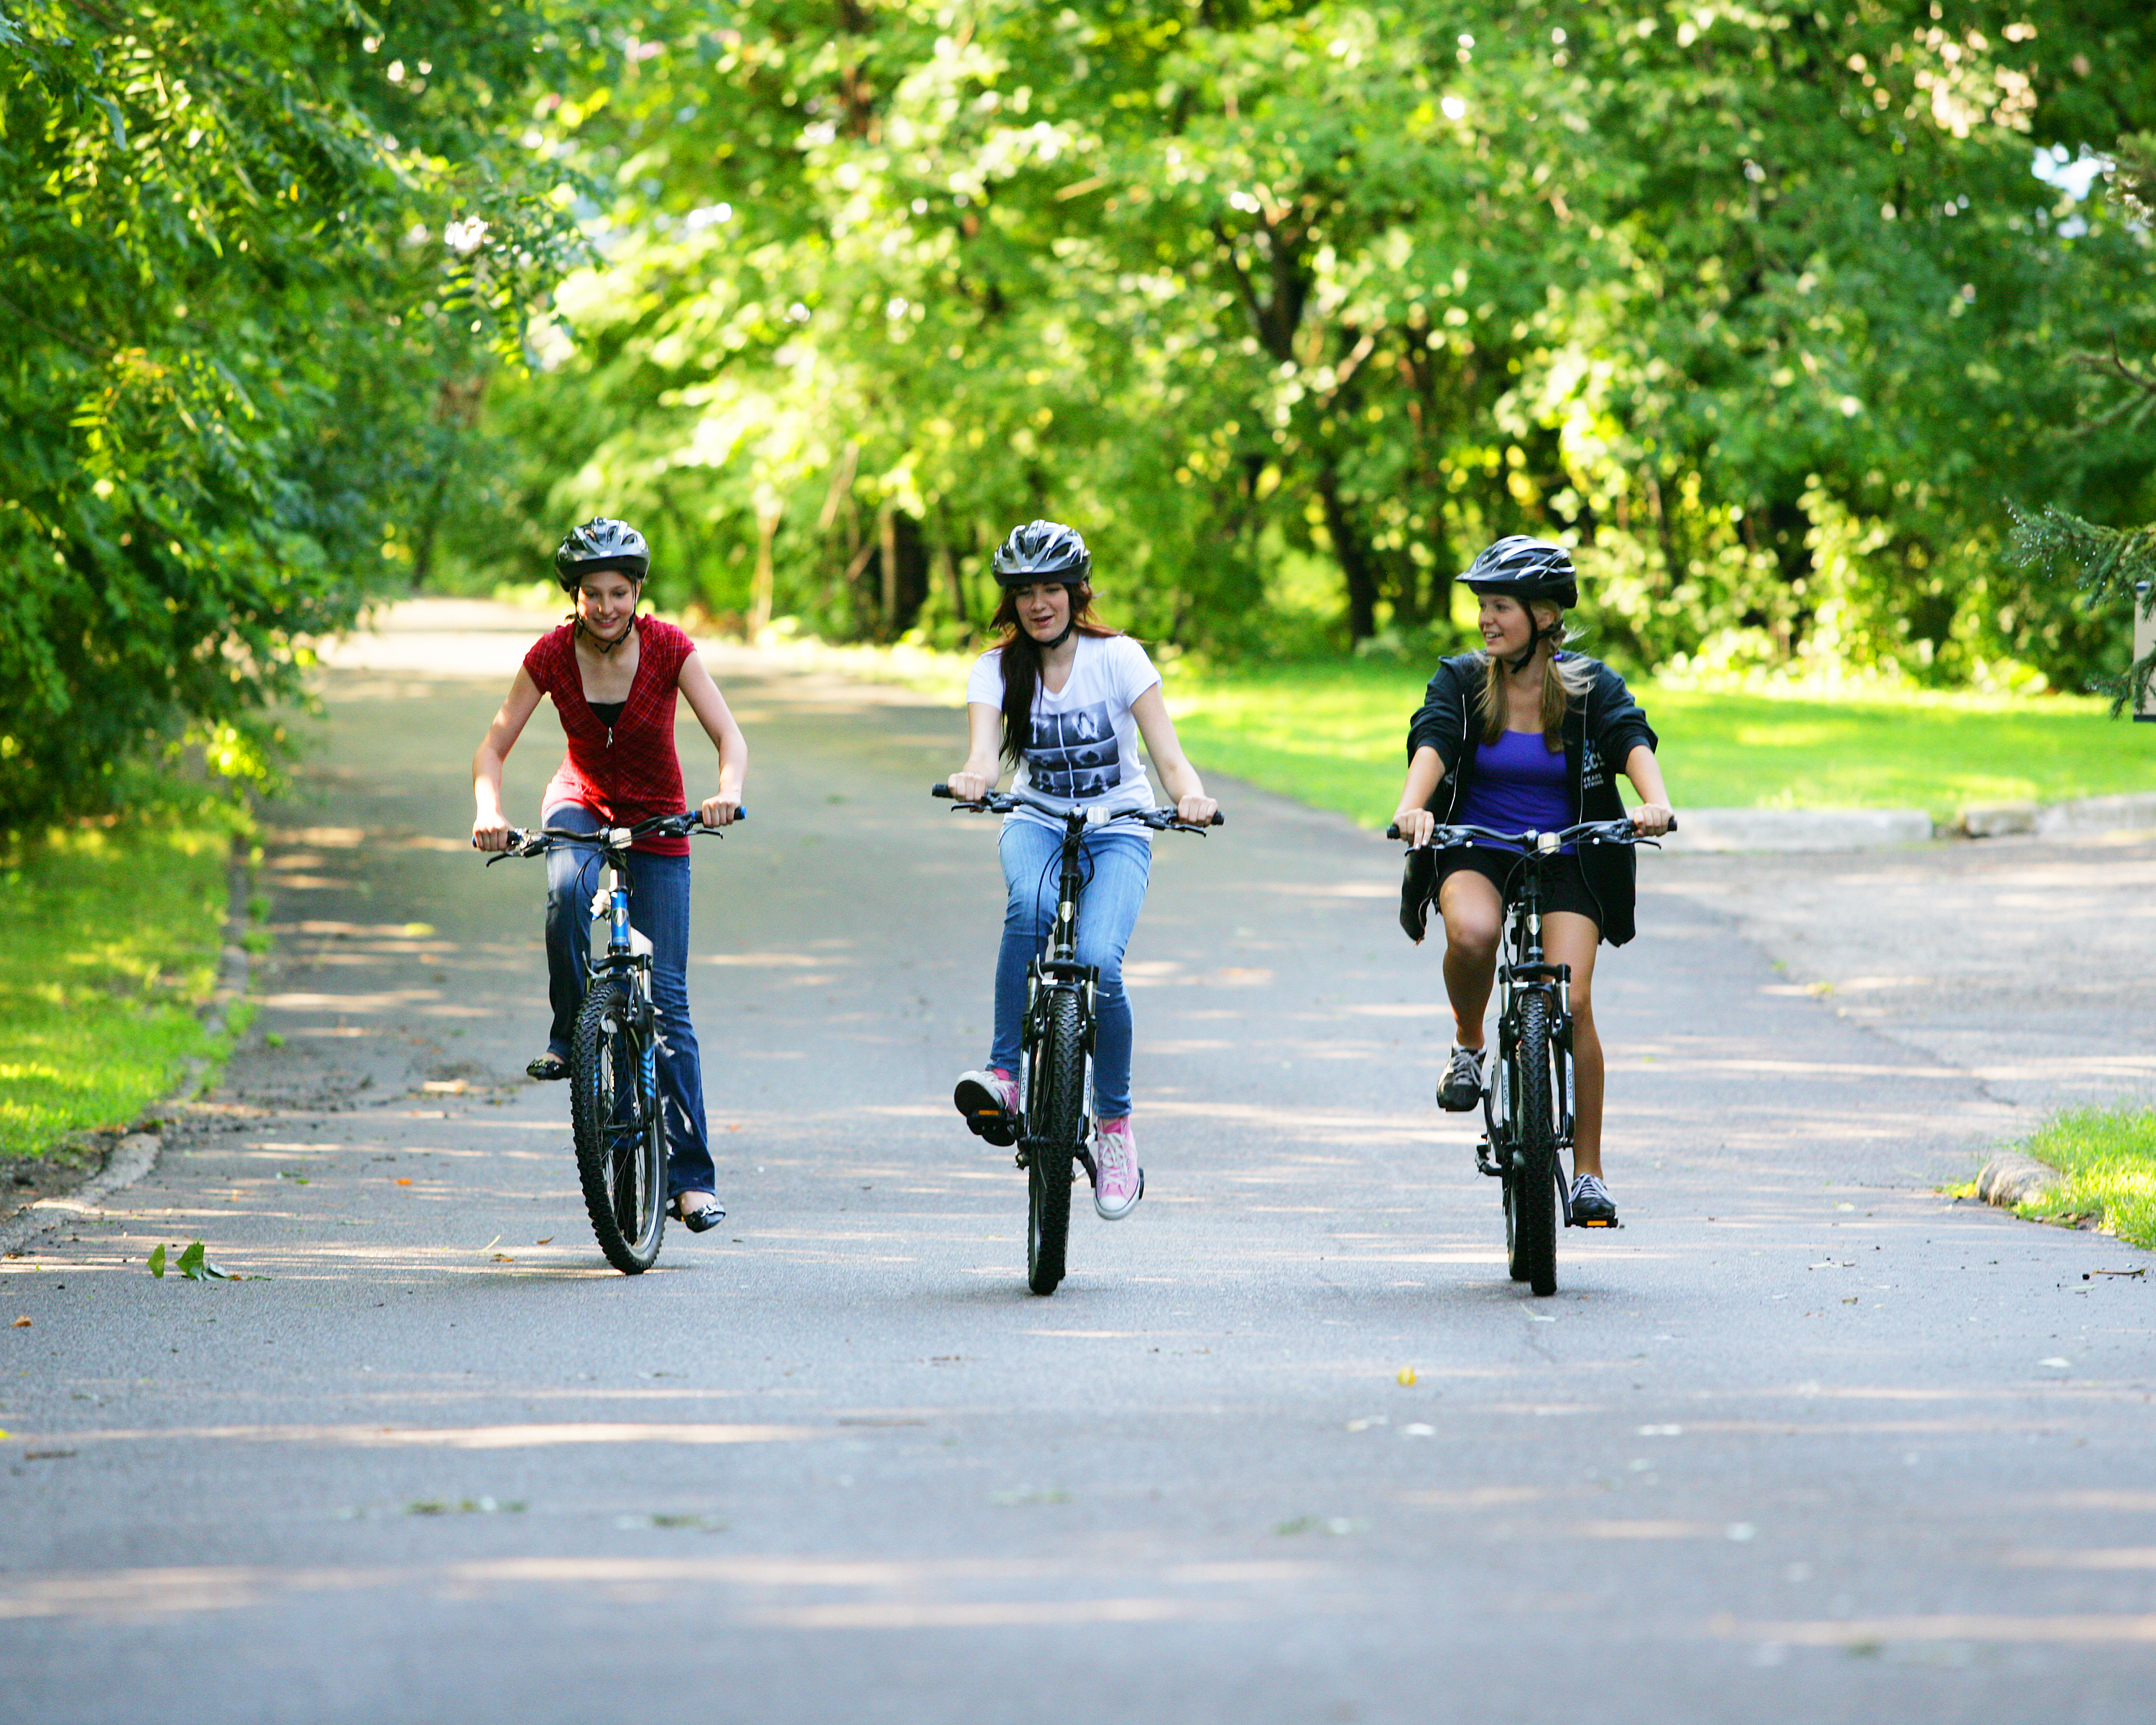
{"x": 1019, "y": 654}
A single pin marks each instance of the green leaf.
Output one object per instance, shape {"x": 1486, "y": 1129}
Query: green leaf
{"x": 157, "y": 1263}
{"x": 198, "y": 1266}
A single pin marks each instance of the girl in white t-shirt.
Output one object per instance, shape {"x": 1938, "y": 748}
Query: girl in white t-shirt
{"x": 1064, "y": 701}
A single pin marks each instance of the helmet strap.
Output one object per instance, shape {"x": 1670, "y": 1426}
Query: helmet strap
{"x": 603, "y": 647}
{"x": 1536, "y": 635}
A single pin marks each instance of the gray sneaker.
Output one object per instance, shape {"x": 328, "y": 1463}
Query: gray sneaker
{"x": 1459, "y": 1091}
{"x": 1592, "y": 1205}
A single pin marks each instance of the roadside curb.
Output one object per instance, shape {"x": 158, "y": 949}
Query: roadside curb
{"x": 2010, "y": 1179}
{"x": 1793, "y": 831}
{"x": 137, "y": 1152}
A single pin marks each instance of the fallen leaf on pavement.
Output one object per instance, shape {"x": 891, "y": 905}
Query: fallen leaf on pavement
{"x": 21, "y": 1323}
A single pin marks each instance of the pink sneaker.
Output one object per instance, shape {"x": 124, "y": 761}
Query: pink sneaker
{"x": 989, "y": 1102}
{"x": 1118, "y": 1181}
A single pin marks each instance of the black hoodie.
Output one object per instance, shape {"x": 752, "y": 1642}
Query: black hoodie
{"x": 1600, "y": 731}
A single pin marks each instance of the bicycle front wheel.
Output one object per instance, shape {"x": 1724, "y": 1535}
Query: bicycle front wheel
{"x": 1055, "y": 1119}
{"x": 1531, "y": 1177}
{"x": 613, "y": 1109}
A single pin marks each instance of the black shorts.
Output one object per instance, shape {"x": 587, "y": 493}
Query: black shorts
{"x": 1564, "y": 884}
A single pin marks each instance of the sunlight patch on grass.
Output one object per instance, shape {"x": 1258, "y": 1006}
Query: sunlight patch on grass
{"x": 2109, "y": 1159}
{"x": 112, "y": 945}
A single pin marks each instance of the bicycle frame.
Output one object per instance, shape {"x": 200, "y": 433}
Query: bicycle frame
{"x": 1058, "y": 971}
{"x": 1524, "y": 970}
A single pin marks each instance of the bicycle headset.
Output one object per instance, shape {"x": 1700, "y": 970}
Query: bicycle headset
{"x": 1520, "y": 567}
{"x": 1044, "y": 551}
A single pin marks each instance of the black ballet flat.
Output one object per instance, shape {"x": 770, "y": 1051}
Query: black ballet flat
{"x": 548, "y": 1069}
{"x": 705, "y": 1217}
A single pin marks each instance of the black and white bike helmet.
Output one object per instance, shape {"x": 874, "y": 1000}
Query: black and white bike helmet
{"x": 1523, "y": 568}
{"x": 1043, "y": 551}
{"x": 600, "y": 543}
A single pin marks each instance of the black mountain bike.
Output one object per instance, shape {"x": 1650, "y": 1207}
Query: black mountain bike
{"x": 1528, "y": 1100}
{"x": 613, "y": 1066}
{"x": 1057, "y": 1039}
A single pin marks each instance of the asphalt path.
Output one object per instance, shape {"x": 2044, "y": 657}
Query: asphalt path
{"x": 1806, "y": 1438}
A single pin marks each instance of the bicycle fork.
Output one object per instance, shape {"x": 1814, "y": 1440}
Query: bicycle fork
{"x": 1044, "y": 979}
{"x": 1494, "y": 1155}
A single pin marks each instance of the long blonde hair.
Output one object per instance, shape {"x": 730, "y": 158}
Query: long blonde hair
{"x": 1563, "y": 682}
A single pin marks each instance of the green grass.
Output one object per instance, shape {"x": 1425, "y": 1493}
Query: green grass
{"x": 1335, "y": 736}
{"x": 2109, "y": 1159}
{"x": 110, "y": 945}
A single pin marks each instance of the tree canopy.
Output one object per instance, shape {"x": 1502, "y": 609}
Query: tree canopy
{"x": 251, "y": 270}
{"x": 1759, "y": 305}
{"x": 1289, "y": 304}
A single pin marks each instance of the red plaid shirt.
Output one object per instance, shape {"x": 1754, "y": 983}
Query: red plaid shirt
{"x": 631, "y": 770}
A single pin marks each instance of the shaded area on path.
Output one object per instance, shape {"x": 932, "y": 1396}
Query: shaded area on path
{"x": 1804, "y": 1436}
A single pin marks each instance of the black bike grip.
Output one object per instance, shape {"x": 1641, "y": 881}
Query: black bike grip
{"x": 1393, "y": 831}
{"x": 1673, "y": 822}
{"x": 940, "y": 790}
{"x": 1218, "y": 819}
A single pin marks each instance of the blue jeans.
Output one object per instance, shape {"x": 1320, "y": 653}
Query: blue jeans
{"x": 1118, "y": 865}
{"x": 658, "y": 906}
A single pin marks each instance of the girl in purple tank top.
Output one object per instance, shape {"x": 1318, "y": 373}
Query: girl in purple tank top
{"x": 1523, "y": 735}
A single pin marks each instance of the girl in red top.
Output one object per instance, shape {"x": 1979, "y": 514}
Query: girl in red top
{"x": 612, "y": 676}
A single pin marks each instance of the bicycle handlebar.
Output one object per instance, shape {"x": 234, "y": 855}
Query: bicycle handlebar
{"x": 1005, "y": 802}
{"x": 1594, "y": 832}
{"x": 533, "y": 841}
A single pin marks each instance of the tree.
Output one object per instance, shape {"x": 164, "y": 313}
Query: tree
{"x": 256, "y": 261}
{"x": 1752, "y": 304}
{"x": 2115, "y": 563}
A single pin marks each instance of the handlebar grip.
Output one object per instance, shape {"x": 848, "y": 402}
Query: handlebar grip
{"x": 1218, "y": 819}
{"x": 940, "y": 790}
{"x": 1673, "y": 821}
{"x": 1393, "y": 831}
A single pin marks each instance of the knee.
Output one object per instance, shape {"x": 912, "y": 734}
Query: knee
{"x": 1470, "y": 939}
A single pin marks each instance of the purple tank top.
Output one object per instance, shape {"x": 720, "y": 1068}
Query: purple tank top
{"x": 1518, "y": 785}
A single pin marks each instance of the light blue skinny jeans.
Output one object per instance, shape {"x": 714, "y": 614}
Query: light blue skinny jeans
{"x": 659, "y": 907}
{"x": 1118, "y": 865}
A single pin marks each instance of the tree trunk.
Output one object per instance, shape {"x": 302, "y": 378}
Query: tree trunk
{"x": 1353, "y": 556}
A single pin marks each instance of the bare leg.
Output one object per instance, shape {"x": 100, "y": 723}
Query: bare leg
{"x": 1474, "y": 915}
{"x": 1568, "y": 939}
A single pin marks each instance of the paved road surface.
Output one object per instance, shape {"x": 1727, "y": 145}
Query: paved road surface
{"x": 1806, "y": 1439}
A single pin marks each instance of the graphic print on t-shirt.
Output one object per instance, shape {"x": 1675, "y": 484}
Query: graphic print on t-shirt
{"x": 1074, "y": 756}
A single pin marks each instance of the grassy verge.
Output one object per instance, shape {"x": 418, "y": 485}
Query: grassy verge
{"x": 111, "y": 945}
{"x": 2109, "y": 1159}
{"x": 1335, "y": 736}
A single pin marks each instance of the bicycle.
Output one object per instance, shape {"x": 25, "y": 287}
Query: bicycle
{"x": 1527, "y": 1102}
{"x": 1057, "y": 1038}
{"x": 613, "y": 1070}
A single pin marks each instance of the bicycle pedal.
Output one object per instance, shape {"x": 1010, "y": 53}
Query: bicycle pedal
{"x": 1612, "y": 1222}
{"x": 1484, "y": 1164}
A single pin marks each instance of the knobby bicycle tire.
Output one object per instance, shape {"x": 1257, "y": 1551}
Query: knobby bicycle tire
{"x": 614, "y": 1110}
{"x": 1531, "y": 1183}
{"x": 1054, "y": 1121}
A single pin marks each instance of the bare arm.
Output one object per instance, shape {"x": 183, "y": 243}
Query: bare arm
{"x": 1185, "y": 789}
{"x": 489, "y": 829}
{"x": 984, "y": 737}
{"x": 713, "y": 713}
{"x": 1425, "y": 772}
{"x": 1651, "y": 815}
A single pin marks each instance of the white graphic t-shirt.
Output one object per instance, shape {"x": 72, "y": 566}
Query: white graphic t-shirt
{"x": 1084, "y": 744}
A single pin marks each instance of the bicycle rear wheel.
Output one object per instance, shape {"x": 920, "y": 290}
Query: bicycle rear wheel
{"x": 1531, "y": 1175}
{"x": 613, "y": 1109}
{"x": 1055, "y": 1119}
